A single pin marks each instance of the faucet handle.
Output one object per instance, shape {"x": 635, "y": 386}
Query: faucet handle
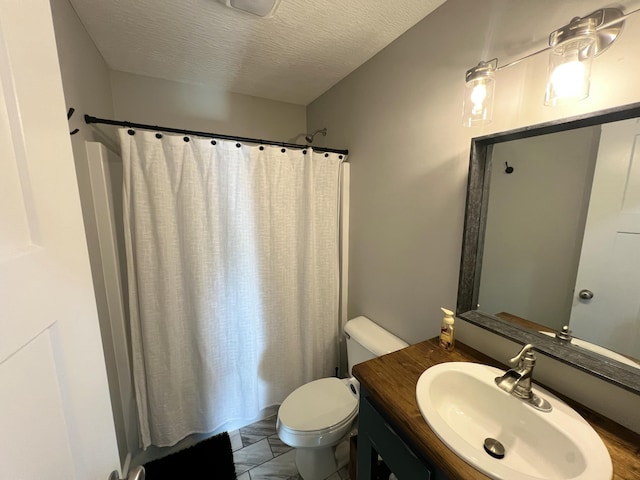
{"x": 526, "y": 350}
{"x": 564, "y": 334}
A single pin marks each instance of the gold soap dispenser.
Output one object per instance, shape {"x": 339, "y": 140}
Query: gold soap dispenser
{"x": 447, "y": 338}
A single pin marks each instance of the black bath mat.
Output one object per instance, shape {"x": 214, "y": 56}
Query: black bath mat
{"x": 210, "y": 459}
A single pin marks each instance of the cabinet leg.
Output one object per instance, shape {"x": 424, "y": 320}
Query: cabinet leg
{"x": 367, "y": 458}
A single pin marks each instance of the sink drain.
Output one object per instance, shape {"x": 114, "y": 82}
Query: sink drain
{"x": 493, "y": 447}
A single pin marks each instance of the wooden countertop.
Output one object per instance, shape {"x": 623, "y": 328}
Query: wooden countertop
{"x": 523, "y": 322}
{"x": 391, "y": 381}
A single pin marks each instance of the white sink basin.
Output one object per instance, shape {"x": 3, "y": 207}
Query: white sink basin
{"x": 463, "y": 406}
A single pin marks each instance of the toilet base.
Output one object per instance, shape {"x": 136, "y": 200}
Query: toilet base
{"x": 319, "y": 463}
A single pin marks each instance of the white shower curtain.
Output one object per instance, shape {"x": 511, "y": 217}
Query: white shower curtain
{"x": 232, "y": 255}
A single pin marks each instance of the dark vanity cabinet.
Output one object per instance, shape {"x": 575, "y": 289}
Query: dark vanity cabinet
{"x": 376, "y": 436}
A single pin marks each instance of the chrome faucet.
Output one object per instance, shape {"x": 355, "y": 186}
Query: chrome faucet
{"x": 517, "y": 381}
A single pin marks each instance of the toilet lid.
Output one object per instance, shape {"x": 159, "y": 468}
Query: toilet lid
{"x": 318, "y": 405}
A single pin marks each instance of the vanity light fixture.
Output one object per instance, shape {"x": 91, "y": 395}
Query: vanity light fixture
{"x": 480, "y": 82}
{"x": 571, "y": 51}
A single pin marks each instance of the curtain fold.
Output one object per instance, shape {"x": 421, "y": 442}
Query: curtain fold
{"x": 232, "y": 258}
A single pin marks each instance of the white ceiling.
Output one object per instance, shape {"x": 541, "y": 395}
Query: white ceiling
{"x": 305, "y": 49}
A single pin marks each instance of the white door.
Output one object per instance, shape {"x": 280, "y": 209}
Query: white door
{"x": 610, "y": 259}
{"x": 55, "y": 414}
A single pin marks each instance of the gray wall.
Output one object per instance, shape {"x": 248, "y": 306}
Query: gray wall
{"x": 400, "y": 116}
{"x": 203, "y": 108}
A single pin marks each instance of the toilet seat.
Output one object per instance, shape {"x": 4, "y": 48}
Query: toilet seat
{"x": 317, "y": 413}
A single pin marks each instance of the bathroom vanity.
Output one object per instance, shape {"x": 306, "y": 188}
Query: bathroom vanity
{"x": 391, "y": 425}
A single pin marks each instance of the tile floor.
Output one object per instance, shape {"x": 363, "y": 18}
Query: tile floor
{"x": 260, "y": 455}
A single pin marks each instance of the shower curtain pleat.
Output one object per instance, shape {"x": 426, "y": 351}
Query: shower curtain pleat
{"x": 232, "y": 257}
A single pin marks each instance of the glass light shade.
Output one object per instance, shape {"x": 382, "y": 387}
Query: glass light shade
{"x": 478, "y": 101}
{"x": 570, "y": 66}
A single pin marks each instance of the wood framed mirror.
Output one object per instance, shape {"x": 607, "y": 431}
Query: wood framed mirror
{"x": 531, "y": 212}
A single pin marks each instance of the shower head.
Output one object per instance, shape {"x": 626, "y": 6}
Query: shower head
{"x": 309, "y": 137}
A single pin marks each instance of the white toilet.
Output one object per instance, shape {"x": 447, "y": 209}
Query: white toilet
{"x": 318, "y": 417}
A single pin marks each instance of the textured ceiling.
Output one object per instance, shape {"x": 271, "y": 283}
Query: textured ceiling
{"x": 305, "y": 49}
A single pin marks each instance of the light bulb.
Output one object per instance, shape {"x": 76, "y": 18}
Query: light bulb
{"x": 572, "y": 50}
{"x": 568, "y": 79}
{"x": 478, "y": 96}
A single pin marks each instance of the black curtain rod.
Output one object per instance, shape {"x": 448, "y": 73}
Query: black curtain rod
{"x": 89, "y": 119}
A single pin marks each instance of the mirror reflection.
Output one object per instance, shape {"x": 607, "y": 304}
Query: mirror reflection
{"x": 562, "y": 235}
{"x": 552, "y": 238}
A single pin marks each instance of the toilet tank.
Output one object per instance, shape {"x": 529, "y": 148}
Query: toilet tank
{"x": 367, "y": 340}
